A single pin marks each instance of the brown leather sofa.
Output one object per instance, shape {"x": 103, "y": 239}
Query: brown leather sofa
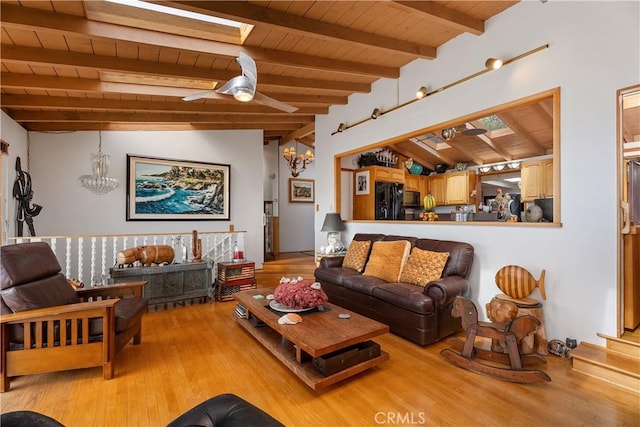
{"x": 421, "y": 315}
{"x": 47, "y": 326}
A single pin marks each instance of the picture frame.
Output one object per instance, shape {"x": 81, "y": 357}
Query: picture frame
{"x": 160, "y": 189}
{"x": 301, "y": 190}
{"x": 362, "y": 183}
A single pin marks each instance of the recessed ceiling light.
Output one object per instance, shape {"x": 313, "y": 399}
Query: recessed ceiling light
{"x": 178, "y": 12}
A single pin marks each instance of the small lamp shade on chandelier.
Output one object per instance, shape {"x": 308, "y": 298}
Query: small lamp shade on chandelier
{"x": 99, "y": 182}
{"x": 333, "y": 225}
{"x": 297, "y": 162}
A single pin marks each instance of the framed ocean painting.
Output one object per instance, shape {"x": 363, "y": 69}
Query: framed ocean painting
{"x": 164, "y": 189}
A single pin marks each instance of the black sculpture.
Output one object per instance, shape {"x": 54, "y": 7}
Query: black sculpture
{"x": 23, "y": 192}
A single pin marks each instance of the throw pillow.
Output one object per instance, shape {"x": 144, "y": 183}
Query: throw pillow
{"x": 387, "y": 260}
{"x": 424, "y": 266}
{"x": 357, "y": 254}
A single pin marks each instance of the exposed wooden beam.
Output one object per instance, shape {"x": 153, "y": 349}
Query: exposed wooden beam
{"x": 445, "y": 16}
{"x": 71, "y": 126}
{"x": 253, "y": 14}
{"x": 299, "y": 133}
{"x": 24, "y": 116}
{"x": 85, "y": 61}
{"x": 99, "y": 104}
{"x": 14, "y": 16}
{"x": 68, "y": 84}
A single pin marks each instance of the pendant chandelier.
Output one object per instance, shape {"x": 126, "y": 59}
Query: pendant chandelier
{"x": 297, "y": 162}
{"x": 99, "y": 182}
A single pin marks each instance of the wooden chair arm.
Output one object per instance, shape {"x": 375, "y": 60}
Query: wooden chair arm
{"x": 88, "y": 309}
{"x": 110, "y": 291}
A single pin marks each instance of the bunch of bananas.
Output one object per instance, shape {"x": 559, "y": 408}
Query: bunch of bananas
{"x": 429, "y": 202}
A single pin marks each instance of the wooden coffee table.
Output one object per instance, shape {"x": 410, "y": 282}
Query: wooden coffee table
{"x": 320, "y": 333}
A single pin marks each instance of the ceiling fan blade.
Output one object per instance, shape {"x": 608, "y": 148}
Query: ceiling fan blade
{"x": 273, "y": 103}
{"x": 248, "y": 66}
{"x": 198, "y": 95}
{"x": 474, "y": 131}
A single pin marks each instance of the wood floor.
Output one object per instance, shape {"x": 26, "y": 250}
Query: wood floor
{"x": 190, "y": 354}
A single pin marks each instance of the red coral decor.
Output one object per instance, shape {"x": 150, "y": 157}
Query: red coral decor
{"x": 299, "y": 293}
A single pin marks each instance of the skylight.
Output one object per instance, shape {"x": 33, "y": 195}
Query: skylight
{"x": 178, "y": 12}
{"x": 492, "y": 122}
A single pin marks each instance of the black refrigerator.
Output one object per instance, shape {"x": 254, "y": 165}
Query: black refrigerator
{"x": 389, "y": 200}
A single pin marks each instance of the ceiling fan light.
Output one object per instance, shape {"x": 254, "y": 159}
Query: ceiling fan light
{"x": 448, "y": 133}
{"x": 493, "y": 63}
{"x": 243, "y": 94}
{"x": 421, "y": 93}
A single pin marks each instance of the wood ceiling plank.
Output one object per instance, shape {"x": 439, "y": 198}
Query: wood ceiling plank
{"x": 46, "y": 21}
{"x": 443, "y": 15}
{"x": 293, "y": 23}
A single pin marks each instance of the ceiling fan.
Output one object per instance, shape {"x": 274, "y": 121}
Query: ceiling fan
{"x": 449, "y": 133}
{"x": 243, "y": 87}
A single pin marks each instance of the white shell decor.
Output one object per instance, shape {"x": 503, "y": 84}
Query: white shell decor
{"x": 290, "y": 319}
{"x": 316, "y": 285}
{"x": 270, "y": 297}
{"x": 292, "y": 280}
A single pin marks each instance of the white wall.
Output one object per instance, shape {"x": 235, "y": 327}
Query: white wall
{"x": 296, "y": 219}
{"x": 594, "y": 50}
{"x": 16, "y": 137}
{"x": 58, "y": 159}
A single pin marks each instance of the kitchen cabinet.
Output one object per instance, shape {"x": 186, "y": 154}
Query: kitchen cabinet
{"x": 381, "y": 173}
{"x": 437, "y": 188}
{"x": 536, "y": 180}
{"x": 458, "y": 188}
{"x": 411, "y": 182}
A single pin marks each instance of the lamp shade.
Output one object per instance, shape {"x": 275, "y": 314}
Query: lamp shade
{"x": 333, "y": 222}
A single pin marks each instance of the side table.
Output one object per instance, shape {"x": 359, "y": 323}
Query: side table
{"x": 320, "y": 255}
{"x": 234, "y": 277}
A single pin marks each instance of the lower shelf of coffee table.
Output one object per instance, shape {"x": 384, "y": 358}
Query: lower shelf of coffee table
{"x": 286, "y": 353}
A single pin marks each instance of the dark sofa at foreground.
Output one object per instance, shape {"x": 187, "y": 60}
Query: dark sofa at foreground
{"x": 419, "y": 313}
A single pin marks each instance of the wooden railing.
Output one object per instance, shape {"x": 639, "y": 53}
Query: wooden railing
{"x": 88, "y": 258}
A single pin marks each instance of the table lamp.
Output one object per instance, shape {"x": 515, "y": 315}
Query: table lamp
{"x": 333, "y": 225}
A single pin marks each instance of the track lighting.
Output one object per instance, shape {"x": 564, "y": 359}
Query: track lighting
{"x": 493, "y": 63}
{"x": 422, "y": 92}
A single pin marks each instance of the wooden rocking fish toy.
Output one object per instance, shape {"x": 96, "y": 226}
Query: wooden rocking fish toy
{"x": 517, "y": 282}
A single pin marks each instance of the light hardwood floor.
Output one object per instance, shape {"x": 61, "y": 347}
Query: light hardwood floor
{"x": 190, "y": 354}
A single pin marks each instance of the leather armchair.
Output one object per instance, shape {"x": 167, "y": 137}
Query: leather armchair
{"x": 44, "y": 319}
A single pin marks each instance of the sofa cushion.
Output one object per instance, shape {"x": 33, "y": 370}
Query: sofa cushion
{"x": 361, "y": 283}
{"x": 405, "y": 296}
{"x": 334, "y": 274}
{"x": 423, "y": 266}
{"x": 357, "y": 255}
{"x": 387, "y": 259}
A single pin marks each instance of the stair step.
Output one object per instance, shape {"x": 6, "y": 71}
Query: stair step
{"x": 622, "y": 345}
{"x": 610, "y": 366}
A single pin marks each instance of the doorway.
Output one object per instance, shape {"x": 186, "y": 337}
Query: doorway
{"x": 628, "y": 113}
